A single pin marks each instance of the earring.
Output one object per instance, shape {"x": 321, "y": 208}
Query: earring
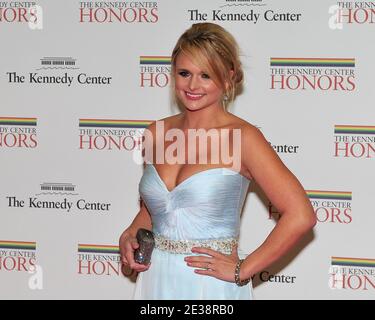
{"x": 225, "y": 102}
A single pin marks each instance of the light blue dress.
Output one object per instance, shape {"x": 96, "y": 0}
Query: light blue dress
{"x": 205, "y": 206}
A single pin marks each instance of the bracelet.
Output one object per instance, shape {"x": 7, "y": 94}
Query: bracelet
{"x": 237, "y": 280}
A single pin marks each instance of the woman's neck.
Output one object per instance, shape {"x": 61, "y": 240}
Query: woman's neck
{"x": 206, "y": 118}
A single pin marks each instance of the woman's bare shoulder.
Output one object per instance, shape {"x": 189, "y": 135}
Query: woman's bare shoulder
{"x": 251, "y": 136}
{"x": 239, "y": 123}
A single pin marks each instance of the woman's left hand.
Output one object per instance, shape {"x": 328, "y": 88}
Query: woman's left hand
{"x": 216, "y": 264}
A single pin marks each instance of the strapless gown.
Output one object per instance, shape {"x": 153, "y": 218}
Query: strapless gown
{"x": 204, "y": 207}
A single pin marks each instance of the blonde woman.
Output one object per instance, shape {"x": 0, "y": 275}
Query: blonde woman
{"x": 193, "y": 207}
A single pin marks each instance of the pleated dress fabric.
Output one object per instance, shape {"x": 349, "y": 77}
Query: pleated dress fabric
{"x": 205, "y": 206}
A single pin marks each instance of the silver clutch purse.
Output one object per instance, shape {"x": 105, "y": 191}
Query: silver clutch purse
{"x": 146, "y": 242}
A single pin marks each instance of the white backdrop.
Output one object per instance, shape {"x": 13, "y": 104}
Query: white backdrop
{"x": 79, "y": 81}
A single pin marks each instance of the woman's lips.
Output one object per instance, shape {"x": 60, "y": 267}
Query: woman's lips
{"x": 193, "y": 96}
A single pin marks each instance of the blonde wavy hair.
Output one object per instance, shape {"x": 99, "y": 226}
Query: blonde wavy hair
{"x": 214, "y": 50}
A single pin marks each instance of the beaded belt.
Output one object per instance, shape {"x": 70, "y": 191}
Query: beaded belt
{"x": 224, "y": 245}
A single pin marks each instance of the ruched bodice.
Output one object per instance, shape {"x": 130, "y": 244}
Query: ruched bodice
{"x": 202, "y": 211}
{"x": 206, "y": 205}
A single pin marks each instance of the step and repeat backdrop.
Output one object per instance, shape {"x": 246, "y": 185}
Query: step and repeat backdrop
{"x": 79, "y": 82}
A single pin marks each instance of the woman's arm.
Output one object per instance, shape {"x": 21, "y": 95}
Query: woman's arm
{"x": 284, "y": 191}
{"x": 128, "y": 242}
{"x": 141, "y": 220}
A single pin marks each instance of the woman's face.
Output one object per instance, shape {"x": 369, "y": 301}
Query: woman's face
{"x": 194, "y": 87}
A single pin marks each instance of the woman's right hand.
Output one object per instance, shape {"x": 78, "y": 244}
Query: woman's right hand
{"x": 128, "y": 244}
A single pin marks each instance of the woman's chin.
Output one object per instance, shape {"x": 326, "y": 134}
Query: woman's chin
{"x": 192, "y": 108}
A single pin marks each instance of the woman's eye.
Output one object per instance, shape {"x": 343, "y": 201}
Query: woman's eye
{"x": 183, "y": 73}
{"x": 205, "y": 76}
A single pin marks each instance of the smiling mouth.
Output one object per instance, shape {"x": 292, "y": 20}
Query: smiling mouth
{"x": 192, "y": 96}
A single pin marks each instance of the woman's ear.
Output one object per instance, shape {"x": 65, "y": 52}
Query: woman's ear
{"x": 231, "y": 73}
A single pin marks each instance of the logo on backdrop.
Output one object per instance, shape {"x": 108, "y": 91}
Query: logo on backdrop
{"x": 17, "y": 256}
{"x": 12, "y": 12}
{"x": 329, "y": 206}
{"x": 251, "y": 11}
{"x": 61, "y": 63}
{"x": 58, "y": 71}
{"x": 18, "y": 133}
{"x": 353, "y": 141}
{"x": 351, "y": 13}
{"x": 108, "y": 135}
{"x": 118, "y": 12}
{"x": 285, "y": 148}
{"x": 154, "y": 71}
{"x": 58, "y": 196}
{"x": 98, "y": 260}
{"x": 313, "y": 74}
{"x": 352, "y": 273}
{"x": 266, "y": 276}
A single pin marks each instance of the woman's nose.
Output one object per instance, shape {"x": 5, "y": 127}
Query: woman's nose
{"x": 193, "y": 83}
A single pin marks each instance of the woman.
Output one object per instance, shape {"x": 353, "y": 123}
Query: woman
{"x": 194, "y": 208}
